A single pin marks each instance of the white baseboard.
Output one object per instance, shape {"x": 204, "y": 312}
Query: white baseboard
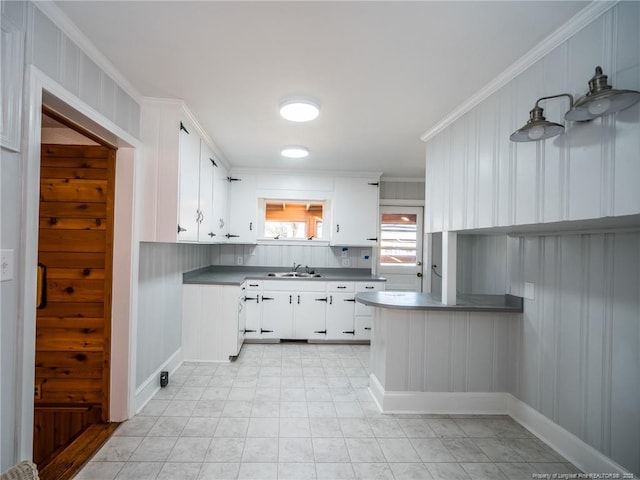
{"x": 151, "y": 385}
{"x": 576, "y": 451}
{"x": 581, "y": 454}
{"x": 485, "y": 403}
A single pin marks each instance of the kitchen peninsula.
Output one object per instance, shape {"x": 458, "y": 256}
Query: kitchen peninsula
{"x": 427, "y": 357}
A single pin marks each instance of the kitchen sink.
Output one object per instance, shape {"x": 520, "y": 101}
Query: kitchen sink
{"x": 293, "y": 275}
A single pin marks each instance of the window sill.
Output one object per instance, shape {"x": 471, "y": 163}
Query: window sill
{"x": 294, "y": 242}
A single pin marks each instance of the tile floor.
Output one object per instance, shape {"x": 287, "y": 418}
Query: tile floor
{"x": 298, "y": 411}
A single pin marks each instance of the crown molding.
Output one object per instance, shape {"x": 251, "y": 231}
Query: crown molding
{"x": 561, "y": 35}
{"x": 64, "y": 23}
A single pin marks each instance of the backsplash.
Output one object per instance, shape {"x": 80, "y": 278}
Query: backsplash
{"x": 314, "y": 256}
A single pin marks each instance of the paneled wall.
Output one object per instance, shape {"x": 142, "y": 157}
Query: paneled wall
{"x": 55, "y": 54}
{"x": 476, "y": 177}
{"x": 580, "y": 361}
{"x": 287, "y": 255}
{"x": 159, "y": 334}
{"x": 401, "y": 190}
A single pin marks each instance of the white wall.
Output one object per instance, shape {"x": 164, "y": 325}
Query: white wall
{"x": 578, "y": 359}
{"x": 286, "y": 255}
{"x": 160, "y": 301}
{"x": 476, "y": 177}
{"x": 47, "y": 48}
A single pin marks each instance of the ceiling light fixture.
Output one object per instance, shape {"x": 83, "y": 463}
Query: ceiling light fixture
{"x": 294, "y": 151}
{"x": 299, "y": 110}
{"x": 601, "y": 99}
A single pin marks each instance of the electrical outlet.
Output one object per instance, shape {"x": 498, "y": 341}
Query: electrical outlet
{"x": 346, "y": 262}
{"x": 366, "y": 254}
{"x": 239, "y": 260}
{"x": 6, "y": 265}
{"x": 164, "y": 378}
{"x": 529, "y": 291}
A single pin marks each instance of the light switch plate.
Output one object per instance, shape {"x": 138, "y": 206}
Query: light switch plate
{"x": 529, "y": 291}
{"x": 345, "y": 262}
{"x": 6, "y": 265}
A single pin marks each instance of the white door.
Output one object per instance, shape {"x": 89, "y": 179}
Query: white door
{"x": 400, "y": 253}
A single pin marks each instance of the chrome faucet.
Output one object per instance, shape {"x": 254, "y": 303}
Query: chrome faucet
{"x": 296, "y": 266}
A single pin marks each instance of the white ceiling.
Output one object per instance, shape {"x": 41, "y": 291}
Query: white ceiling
{"x": 383, "y": 72}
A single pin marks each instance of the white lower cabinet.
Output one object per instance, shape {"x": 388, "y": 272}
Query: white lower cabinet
{"x": 217, "y": 319}
{"x": 341, "y": 310}
{"x": 364, "y": 313}
{"x": 211, "y": 319}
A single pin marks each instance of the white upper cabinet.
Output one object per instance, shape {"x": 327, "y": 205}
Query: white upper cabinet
{"x": 220, "y": 212}
{"x": 178, "y": 177}
{"x": 355, "y": 211}
{"x": 243, "y": 209}
{"x": 188, "y": 191}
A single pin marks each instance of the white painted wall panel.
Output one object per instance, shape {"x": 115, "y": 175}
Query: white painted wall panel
{"x": 90, "y": 82}
{"x": 108, "y": 101}
{"x": 45, "y": 44}
{"x": 589, "y": 172}
{"x": 70, "y": 70}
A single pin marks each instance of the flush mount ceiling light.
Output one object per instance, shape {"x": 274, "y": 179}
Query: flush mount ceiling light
{"x": 299, "y": 110}
{"x": 601, "y": 99}
{"x": 538, "y": 127}
{"x": 294, "y": 151}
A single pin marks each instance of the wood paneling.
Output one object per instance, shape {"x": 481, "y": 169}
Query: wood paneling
{"x": 73, "y": 328}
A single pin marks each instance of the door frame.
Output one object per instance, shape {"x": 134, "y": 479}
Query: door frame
{"x": 42, "y": 90}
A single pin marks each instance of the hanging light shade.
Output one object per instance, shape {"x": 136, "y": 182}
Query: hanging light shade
{"x": 601, "y": 99}
{"x": 536, "y": 128}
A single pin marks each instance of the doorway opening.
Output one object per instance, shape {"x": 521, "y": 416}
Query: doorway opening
{"x": 74, "y": 291}
{"x": 400, "y": 252}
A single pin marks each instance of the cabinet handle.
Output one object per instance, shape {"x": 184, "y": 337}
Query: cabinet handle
{"x": 182, "y": 127}
{"x": 290, "y": 299}
{"x": 228, "y": 235}
{"x": 367, "y": 328}
{"x": 267, "y": 298}
{"x": 254, "y": 285}
{"x": 330, "y": 299}
{"x": 257, "y": 299}
{"x": 338, "y": 228}
{"x": 369, "y": 287}
{"x": 324, "y": 332}
{"x": 213, "y": 162}
{"x": 180, "y": 229}
{"x": 211, "y": 234}
{"x": 249, "y": 331}
{"x": 298, "y": 299}
{"x": 375, "y": 239}
{"x": 341, "y": 287}
{"x": 375, "y": 184}
{"x": 321, "y": 299}
{"x": 351, "y": 332}
{"x": 250, "y": 226}
{"x": 262, "y": 330}
{"x": 349, "y": 300}
{"x": 231, "y": 179}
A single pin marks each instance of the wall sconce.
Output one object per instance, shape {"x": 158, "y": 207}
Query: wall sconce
{"x": 601, "y": 99}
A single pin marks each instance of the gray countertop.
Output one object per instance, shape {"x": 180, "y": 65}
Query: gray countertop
{"x": 229, "y": 275}
{"x": 428, "y": 301}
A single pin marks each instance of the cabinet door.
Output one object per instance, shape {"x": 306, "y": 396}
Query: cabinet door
{"x": 277, "y": 315}
{"x": 363, "y": 328}
{"x": 220, "y": 202}
{"x": 188, "y": 193}
{"x": 340, "y": 316}
{"x": 242, "y": 322}
{"x": 243, "y": 210}
{"x": 355, "y": 211}
{"x": 205, "y": 223}
{"x": 310, "y": 311}
{"x": 253, "y": 312}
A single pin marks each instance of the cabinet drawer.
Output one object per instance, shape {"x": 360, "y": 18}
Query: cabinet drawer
{"x": 370, "y": 286}
{"x": 341, "y": 287}
{"x": 253, "y": 285}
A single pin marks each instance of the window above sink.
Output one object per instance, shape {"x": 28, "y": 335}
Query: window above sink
{"x": 293, "y": 221}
